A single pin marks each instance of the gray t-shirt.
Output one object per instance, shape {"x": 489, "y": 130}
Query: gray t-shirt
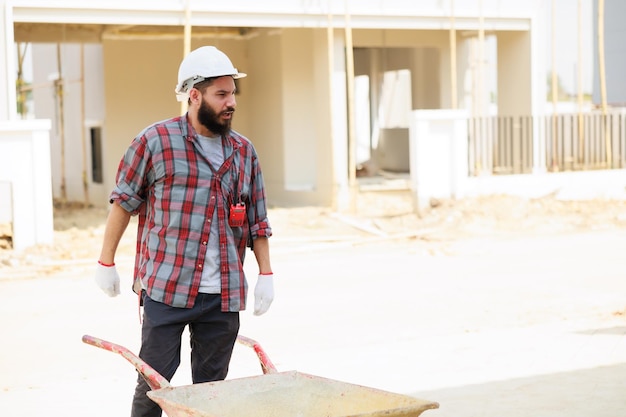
{"x": 211, "y": 279}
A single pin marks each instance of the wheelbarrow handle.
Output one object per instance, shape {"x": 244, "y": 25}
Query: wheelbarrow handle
{"x": 156, "y": 380}
{"x": 152, "y": 377}
{"x": 266, "y": 364}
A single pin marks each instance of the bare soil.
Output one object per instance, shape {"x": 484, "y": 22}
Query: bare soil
{"x": 78, "y": 231}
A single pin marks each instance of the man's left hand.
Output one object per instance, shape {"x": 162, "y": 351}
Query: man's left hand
{"x": 263, "y": 294}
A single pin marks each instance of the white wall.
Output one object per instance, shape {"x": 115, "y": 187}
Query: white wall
{"x": 299, "y": 94}
{"x": 25, "y": 175}
{"x": 8, "y": 107}
{"x": 82, "y": 109}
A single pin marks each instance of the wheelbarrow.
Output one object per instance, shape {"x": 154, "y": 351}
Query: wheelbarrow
{"x": 273, "y": 394}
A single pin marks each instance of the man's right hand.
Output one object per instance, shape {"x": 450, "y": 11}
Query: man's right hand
{"x": 108, "y": 279}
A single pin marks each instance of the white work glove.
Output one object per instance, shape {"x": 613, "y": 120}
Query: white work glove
{"x": 263, "y": 294}
{"x": 108, "y": 279}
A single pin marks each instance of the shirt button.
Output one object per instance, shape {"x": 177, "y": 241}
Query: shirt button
{"x": 200, "y": 266}
{"x": 204, "y": 243}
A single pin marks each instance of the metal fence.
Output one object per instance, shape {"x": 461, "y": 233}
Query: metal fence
{"x": 563, "y": 142}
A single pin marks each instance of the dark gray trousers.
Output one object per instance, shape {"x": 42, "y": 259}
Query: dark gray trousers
{"x": 212, "y": 336}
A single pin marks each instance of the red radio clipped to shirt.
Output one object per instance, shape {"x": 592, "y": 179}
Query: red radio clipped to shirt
{"x": 237, "y": 215}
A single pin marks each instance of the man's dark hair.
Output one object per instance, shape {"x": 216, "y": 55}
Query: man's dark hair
{"x": 201, "y": 86}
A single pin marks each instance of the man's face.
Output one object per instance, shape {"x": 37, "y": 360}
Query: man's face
{"x": 218, "y": 106}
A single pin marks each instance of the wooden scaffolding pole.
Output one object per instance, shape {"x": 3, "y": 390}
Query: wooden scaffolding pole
{"x": 579, "y": 69}
{"x": 554, "y": 90}
{"x": 61, "y": 119}
{"x": 186, "y": 44}
{"x": 453, "y": 69}
{"x": 602, "y": 70}
{"x": 350, "y": 105}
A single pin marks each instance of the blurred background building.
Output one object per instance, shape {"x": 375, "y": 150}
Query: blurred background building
{"x": 333, "y": 91}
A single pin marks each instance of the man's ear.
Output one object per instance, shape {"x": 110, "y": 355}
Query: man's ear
{"x": 194, "y": 95}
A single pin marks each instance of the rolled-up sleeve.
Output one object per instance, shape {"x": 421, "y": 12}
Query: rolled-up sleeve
{"x": 261, "y": 229}
{"x": 132, "y": 176}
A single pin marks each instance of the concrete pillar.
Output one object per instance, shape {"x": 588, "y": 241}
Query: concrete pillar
{"x": 522, "y": 79}
{"x": 539, "y": 71}
{"x": 467, "y": 74}
{"x": 342, "y": 198}
{"x": 438, "y": 155}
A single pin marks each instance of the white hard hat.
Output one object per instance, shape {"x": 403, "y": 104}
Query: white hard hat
{"x": 200, "y": 64}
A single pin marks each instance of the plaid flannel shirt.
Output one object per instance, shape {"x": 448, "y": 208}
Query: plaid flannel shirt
{"x": 165, "y": 178}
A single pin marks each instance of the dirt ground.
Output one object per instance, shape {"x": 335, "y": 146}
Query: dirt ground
{"x": 491, "y": 306}
{"x": 377, "y": 215}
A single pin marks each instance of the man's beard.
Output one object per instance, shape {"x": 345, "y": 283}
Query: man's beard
{"x": 210, "y": 119}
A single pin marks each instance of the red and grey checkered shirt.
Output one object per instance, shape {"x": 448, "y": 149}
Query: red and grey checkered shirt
{"x": 165, "y": 178}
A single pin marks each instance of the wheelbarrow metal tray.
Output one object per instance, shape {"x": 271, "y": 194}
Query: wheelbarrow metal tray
{"x": 285, "y": 394}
